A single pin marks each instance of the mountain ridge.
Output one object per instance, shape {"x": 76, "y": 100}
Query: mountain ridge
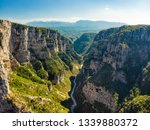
{"x": 77, "y": 23}
{"x": 115, "y": 71}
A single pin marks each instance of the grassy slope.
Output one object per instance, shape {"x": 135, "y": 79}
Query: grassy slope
{"x": 138, "y": 104}
{"x": 31, "y": 95}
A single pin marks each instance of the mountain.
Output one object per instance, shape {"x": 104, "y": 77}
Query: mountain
{"x": 35, "y": 68}
{"x": 76, "y": 29}
{"x": 115, "y": 76}
{"x": 82, "y": 44}
{"x": 80, "y": 23}
{"x": 50, "y": 24}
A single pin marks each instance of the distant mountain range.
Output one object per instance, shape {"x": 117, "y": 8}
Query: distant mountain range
{"x": 76, "y": 29}
{"x": 80, "y": 23}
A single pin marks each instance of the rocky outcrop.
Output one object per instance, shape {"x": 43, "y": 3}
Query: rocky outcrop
{"x": 114, "y": 64}
{"x": 5, "y": 64}
{"x": 28, "y": 42}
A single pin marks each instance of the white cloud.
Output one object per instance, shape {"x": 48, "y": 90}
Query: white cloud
{"x": 107, "y": 8}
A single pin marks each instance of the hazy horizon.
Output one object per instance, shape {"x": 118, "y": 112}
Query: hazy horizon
{"x": 127, "y": 11}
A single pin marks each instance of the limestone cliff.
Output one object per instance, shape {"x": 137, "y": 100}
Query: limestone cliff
{"x": 21, "y": 44}
{"x": 113, "y": 65}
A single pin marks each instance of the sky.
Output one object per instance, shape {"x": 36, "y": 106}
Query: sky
{"x": 127, "y": 11}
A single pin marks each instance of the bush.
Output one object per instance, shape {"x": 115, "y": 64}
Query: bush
{"x": 42, "y": 73}
{"x": 66, "y": 59}
{"x": 138, "y": 104}
{"x": 54, "y": 66}
{"x": 26, "y": 72}
{"x": 37, "y": 64}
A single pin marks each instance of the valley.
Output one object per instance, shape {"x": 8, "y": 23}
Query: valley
{"x": 42, "y": 71}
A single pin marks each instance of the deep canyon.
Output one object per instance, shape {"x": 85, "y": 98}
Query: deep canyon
{"x": 37, "y": 65}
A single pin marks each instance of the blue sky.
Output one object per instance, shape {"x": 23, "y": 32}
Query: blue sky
{"x": 128, "y": 11}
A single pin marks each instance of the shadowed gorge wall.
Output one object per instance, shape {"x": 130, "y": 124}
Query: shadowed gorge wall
{"x": 115, "y": 65}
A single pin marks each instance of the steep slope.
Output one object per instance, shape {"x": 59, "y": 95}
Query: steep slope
{"x": 115, "y": 64}
{"x": 139, "y": 104}
{"x": 82, "y": 44}
{"x": 5, "y": 67}
{"x": 33, "y": 62}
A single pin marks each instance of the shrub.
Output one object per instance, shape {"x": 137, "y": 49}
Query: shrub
{"x": 27, "y": 73}
{"x": 42, "y": 73}
{"x": 66, "y": 59}
{"x": 138, "y": 104}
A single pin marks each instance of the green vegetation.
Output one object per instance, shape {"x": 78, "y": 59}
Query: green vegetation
{"x": 30, "y": 93}
{"x": 134, "y": 92}
{"x": 116, "y": 98}
{"x": 32, "y": 88}
{"x": 82, "y": 44}
{"x": 54, "y": 66}
{"x": 146, "y": 70}
{"x": 35, "y": 97}
{"x": 66, "y": 59}
{"x": 132, "y": 28}
{"x": 28, "y": 72}
{"x": 146, "y": 80}
{"x": 41, "y": 72}
{"x": 138, "y": 104}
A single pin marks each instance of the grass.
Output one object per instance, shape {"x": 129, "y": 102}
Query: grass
{"x": 30, "y": 93}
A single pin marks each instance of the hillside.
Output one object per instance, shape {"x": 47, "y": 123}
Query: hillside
{"x": 115, "y": 74}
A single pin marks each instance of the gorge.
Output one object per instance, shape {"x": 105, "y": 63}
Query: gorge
{"x": 37, "y": 65}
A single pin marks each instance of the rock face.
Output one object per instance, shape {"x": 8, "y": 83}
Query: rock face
{"x": 28, "y": 42}
{"x": 114, "y": 64}
{"x": 5, "y": 64}
{"x": 20, "y": 44}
